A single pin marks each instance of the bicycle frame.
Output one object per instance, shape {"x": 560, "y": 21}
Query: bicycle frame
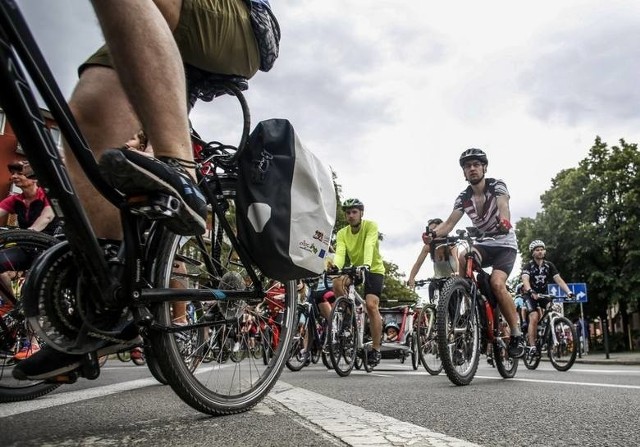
{"x": 18, "y": 49}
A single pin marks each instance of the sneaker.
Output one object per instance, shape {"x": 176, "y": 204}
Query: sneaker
{"x": 137, "y": 354}
{"x": 373, "y": 357}
{"x": 516, "y": 346}
{"x": 26, "y": 352}
{"x": 49, "y": 362}
{"x": 137, "y": 175}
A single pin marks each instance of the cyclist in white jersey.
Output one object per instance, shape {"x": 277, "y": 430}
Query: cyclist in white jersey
{"x": 486, "y": 202}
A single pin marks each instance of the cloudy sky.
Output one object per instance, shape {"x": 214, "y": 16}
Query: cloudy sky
{"x": 390, "y": 92}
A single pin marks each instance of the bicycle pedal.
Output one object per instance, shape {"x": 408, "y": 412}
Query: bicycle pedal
{"x": 155, "y": 207}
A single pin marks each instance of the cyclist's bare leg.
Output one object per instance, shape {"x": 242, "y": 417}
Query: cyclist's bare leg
{"x": 340, "y": 285}
{"x": 375, "y": 320}
{"x": 505, "y": 301}
{"x": 534, "y": 317}
{"x": 325, "y": 310}
{"x": 152, "y": 72}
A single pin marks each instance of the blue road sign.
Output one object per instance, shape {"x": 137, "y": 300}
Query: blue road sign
{"x": 579, "y": 290}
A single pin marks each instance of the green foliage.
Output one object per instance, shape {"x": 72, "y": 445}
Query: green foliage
{"x": 589, "y": 221}
{"x": 395, "y": 292}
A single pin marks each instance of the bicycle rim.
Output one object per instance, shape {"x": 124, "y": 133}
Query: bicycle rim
{"x": 13, "y": 329}
{"x": 427, "y": 341}
{"x": 458, "y": 332}
{"x": 218, "y": 387}
{"x": 563, "y": 351}
{"x": 506, "y": 365}
{"x": 342, "y": 336}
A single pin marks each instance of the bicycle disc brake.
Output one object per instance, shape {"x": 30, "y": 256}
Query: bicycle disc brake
{"x": 58, "y": 305}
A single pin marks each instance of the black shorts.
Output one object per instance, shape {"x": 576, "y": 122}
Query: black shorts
{"x": 323, "y": 296}
{"x": 500, "y": 258}
{"x": 530, "y": 304}
{"x": 373, "y": 284}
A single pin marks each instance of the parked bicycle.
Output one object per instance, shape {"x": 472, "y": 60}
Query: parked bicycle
{"x": 130, "y": 283}
{"x": 468, "y": 319}
{"x": 556, "y": 335}
{"x": 349, "y": 336}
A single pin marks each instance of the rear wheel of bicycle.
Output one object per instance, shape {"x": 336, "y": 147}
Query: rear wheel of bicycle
{"x": 342, "y": 336}
{"x": 233, "y": 387}
{"x": 505, "y": 364}
{"x": 368, "y": 346}
{"x": 415, "y": 356}
{"x": 531, "y": 359}
{"x": 458, "y": 331}
{"x": 563, "y": 351}
{"x": 13, "y": 327}
{"x": 296, "y": 360}
{"x": 427, "y": 345}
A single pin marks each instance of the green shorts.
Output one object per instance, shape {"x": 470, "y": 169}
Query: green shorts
{"x": 213, "y": 35}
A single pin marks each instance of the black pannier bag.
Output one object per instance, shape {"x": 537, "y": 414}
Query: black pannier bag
{"x": 286, "y": 203}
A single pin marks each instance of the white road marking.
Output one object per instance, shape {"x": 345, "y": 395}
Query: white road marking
{"x": 356, "y": 426}
{"x": 565, "y": 382}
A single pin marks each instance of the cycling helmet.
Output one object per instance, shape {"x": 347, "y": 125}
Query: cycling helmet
{"x": 436, "y": 221}
{"x": 392, "y": 324}
{"x": 535, "y": 244}
{"x": 473, "y": 154}
{"x": 519, "y": 288}
{"x": 352, "y": 203}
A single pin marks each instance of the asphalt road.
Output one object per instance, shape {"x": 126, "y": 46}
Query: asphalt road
{"x": 587, "y": 406}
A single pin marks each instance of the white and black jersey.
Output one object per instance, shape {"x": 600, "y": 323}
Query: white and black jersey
{"x": 540, "y": 276}
{"x": 486, "y": 220}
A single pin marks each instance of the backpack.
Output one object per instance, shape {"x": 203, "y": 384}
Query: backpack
{"x": 286, "y": 203}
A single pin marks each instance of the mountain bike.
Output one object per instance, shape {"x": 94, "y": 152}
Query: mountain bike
{"x": 308, "y": 343}
{"x": 425, "y": 330}
{"x": 14, "y": 330}
{"x": 556, "y": 335}
{"x": 468, "y": 319}
{"x": 84, "y": 294}
{"x": 348, "y": 332}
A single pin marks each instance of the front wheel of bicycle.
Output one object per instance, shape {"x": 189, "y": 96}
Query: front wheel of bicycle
{"x": 458, "y": 331}
{"x": 219, "y": 388}
{"x": 531, "y": 358}
{"x": 415, "y": 356}
{"x": 563, "y": 350}
{"x": 505, "y": 364}
{"x": 342, "y": 336}
{"x": 427, "y": 340}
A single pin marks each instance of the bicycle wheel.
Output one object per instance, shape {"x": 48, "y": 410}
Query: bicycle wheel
{"x": 296, "y": 360}
{"x": 124, "y": 356}
{"x": 367, "y": 345}
{"x": 415, "y": 356}
{"x": 562, "y": 348}
{"x": 234, "y": 387}
{"x": 13, "y": 327}
{"x": 427, "y": 345}
{"x": 505, "y": 364}
{"x": 458, "y": 331}
{"x": 342, "y": 336}
{"x": 531, "y": 359}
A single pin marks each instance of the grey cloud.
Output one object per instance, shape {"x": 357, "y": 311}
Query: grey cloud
{"x": 587, "y": 72}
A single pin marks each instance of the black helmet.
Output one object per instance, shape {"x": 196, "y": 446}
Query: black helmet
{"x": 21, "y": 167}
{"x": 352, "y": 203}
{"x": 473, "y": 154}
{"x": 436, "y": 221}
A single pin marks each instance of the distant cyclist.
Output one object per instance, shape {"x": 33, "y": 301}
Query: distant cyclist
{"x": 486, "y": 202}
{"x": 536, "y": 276}
{"x": 359, "y": 241}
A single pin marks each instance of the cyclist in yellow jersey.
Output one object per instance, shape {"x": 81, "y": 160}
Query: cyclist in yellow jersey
{"x": 359, "y": 242}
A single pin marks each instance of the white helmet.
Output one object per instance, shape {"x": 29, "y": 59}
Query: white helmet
{"x": 535, "y": 244}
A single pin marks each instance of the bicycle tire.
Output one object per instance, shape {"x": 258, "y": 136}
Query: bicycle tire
{"x": 342, "y": 336}
{"x": 506, "y": 365}
{"x": 458, "y": 331}
{"x": 296, "y": 360}
{"x": 12, "y": 390}
{"x": 366, "y": 349}
{"x": 415, "y": 357}
{"x": 427, "y": 340}
{"x": 152, "y": 363}
{"x": 217, "y": 390}
{"x": 531, "y": 361}
{"x": 563, "y": 353}
{"x": 124, "y": 356}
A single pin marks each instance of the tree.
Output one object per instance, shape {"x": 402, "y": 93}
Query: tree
{"x": 590, "y": 221}
{"x": 395, "y": 291}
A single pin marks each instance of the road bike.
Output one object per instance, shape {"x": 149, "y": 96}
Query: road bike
{"x": 556, "y": 335}
{"x": 85, "y": 294}
{"x": 468, "y": 319}
{"x": 14, "y": 330}
{"x": 349, "y": 337}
